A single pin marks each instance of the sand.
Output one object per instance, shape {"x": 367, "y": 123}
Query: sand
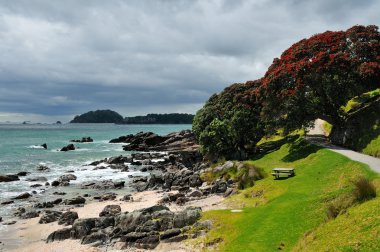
{"x": 29, "y": 235}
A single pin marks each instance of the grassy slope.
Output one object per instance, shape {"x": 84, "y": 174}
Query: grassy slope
{"x": 291, "y": 207}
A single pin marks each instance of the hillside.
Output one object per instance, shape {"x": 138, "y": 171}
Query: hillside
{"x": 291, "y": 214}
{"x": 98, "y": 116}
{"x": 174, "y": 118}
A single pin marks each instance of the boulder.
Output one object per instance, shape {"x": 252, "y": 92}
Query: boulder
{"x": 68, "y": 147}
{"x": 102, "y": 185}
{"x": 170, "y": 233}
{"x": 8, "y": 178}
{"x": 110, "y": 210}
{"x": 195, "y": 194}
{"x": 225, "y": 167}
{"x": 48, "y": 204}
{"x": 195, "y": 180}
{"x": 67, "y": 218}
{"x": 29, "y": 215}
{"x": 219, "y": 187}
{"x": 44, "y": 145}
{"x": 75, "y": 201}
{"x": 49, "y": 216}
{"x": 7, "y": 202}
{"x": 23, "y": 173}
{"x": 82, "y": 227}
{"x": 59, "y": 235}
{"x": 186, "y": 217}
{"x": 83, "y": 140}
{"x": 67, "y": 178}
{"x": 35, "y": 185}
{"x": 25, "y": 195}
{"x": 94, "y": 237}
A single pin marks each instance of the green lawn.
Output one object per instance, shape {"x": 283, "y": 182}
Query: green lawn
{"x": 290, "y": 209}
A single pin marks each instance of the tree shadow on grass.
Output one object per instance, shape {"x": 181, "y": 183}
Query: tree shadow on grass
{"x": 300, "y": 149}
{"x": 272, "y": 146}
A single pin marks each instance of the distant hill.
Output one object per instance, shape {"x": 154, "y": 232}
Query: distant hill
{"x": 99, "y": 116}
{"x": 174, "y": 118}
{"x": 109, "y": 116}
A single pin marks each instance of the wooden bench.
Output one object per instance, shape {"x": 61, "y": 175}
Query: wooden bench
{"x": 277, "y": 172}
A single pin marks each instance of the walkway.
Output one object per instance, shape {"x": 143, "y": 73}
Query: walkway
{"x": 317, "y": 137}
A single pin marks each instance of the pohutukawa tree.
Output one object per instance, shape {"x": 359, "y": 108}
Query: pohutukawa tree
{"x": 316, "y": 76}
{"x": 229, "y": 124}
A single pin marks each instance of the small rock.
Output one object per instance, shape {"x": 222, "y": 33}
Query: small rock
{"x": 7, "y": 202}
{"x": 9, "y": 223}
{"x": 8, "y": 178}
{"x": 75, "y": 201}
{"x": 110, "y": 210}
{"x": 36, "y": 185}
{"x": 29, "y": 215}
{"x": 42, "y": 168}
{"x": 68, "y": 147}
{"x": 23, "y": 173}
{"x": 49, "y": 216}
{"x": 44, "y": 145}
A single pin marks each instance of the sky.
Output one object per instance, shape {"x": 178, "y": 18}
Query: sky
{"x": 59, "y": 59}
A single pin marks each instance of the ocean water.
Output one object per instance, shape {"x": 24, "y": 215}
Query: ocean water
{"x": 20, "y": 151}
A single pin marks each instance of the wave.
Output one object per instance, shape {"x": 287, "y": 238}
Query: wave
{"x": 35, "y": 147}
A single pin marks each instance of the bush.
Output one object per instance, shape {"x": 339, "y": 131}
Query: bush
{"x": 364, "y": 189}
{"x": 339, "y": 206}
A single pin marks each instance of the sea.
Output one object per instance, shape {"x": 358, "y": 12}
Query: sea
{"x": 20, "y": 150}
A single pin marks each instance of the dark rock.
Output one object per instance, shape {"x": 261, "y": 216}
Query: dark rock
{"x": 127, "y": 197}
{"x": 36, "y": 185}
{"x": 67, "y": 218}
{"x": 49, "y": 216}
{"x": 68, "y": 147}
{"x": 105, "y": 184}
{"x": 149, "y": 242}
{"x": 181, "y": 201}
{"x": 29, "y": 215}
{"x": 55, "y": 183}
{"x": 82, "y": 227}
{"x": 110, "y": 210}
{"x": 44, "y": 145}
{"x": 219, "y": 187}
{"x": 195, "y": 180}
{"x": 59, "y": 235}
{"x": 1, "y": 219}
{"x": 59, "y": 193}
{"x": 23, "y": 196}
{"x": 67, "y": 178}
{"x": 186, "y": 217}
{"x": 170, "y": 233}
{"x": 8, "y": 178}
{"x": 106, "y": 196}
{"x": 23, "y": 173}
{"x": 48, "y": 204}
{"x": 19, "y": 211}
{"x": 104, "y": 222}
{"x": 75, "y": 201}
{"x": 128, "y": 222}
{"x": 83, "y": 140}
{"x": 34, "y": 179}
{"x": 195, "y": 194}
{"x": 47, "y": 184}
{"x": 177, "y": 238}
{"x": 119, "y": 160}
{"x": 7, "y": 202}
{"x": 42, "y": 168}
{"x": 94, "y": 237}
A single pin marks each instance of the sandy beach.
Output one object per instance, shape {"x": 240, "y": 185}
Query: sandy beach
{"x": 29, "y": 235}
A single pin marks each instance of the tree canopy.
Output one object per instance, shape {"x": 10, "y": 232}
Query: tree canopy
{"x": 312, "y": 79}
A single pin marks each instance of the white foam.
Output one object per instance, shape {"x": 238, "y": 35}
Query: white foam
{"x": 35, "y": 147}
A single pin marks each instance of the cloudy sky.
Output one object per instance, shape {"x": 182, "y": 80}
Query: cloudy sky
{"x": 63, "y": 58}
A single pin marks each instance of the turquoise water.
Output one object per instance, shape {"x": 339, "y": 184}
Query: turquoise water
{"x": 20, "y": 151}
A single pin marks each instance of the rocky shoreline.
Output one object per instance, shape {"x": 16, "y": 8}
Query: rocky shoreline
{"x": 174, "y": 165}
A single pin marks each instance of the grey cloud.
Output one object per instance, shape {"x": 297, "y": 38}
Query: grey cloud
{"x": 66, "y": 57}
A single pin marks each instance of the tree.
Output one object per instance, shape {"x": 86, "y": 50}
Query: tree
{"x": 229, "y": 124}
{"x": 316, "y": 76}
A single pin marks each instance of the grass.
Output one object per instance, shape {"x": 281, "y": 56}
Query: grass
{"x": 357, "y": 101}
{"x": 373, "y": 148}
{"x": 284, "y": 214}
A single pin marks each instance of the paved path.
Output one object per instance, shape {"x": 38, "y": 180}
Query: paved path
{"x": 316, "y": 136}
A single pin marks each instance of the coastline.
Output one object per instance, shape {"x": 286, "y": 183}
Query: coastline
{"x": 29, "y": 235}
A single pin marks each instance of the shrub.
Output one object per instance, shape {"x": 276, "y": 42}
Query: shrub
{"x": 364, "y": 189}
{"x": 339, "y": 206}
